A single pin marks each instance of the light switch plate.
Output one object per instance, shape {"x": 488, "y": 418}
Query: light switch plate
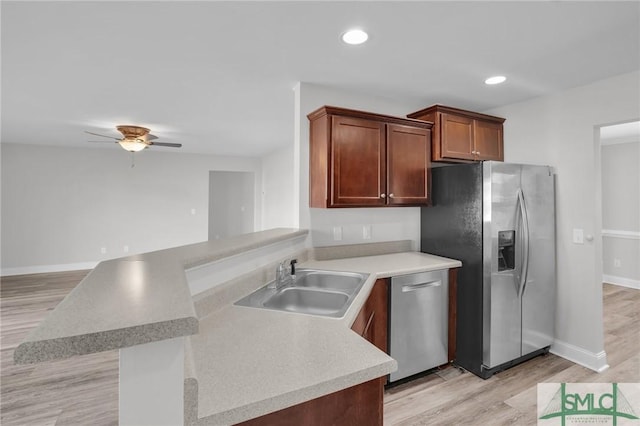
{"x": 578, "y": 236}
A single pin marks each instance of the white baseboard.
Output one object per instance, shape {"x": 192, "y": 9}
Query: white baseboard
{"x": 622, "y": 281}
{"x": 41, "y": 269}
{"x": 594, "y": 361}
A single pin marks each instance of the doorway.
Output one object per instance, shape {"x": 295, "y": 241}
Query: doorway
{"x": 620, "y": 183}
{"x": 231, "y": 203}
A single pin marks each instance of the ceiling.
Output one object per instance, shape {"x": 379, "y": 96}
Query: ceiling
{"x": 218, "y": 77}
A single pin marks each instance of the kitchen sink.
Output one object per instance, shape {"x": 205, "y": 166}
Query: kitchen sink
{"x": 341, "y": 281}
{"x": 312, "y": 291}
{"x": 307, "y": 300}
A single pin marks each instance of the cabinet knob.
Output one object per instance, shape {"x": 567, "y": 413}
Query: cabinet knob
{"x": 383, "y": 195}
{"x": 478, "y": 152}
{"x": 390, "y": 195}
{"x": 473, "y": 152}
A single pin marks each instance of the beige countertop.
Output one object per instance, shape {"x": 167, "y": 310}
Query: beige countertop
{"x": 247, "y": 361}
{"x": 387, "y": 265}
{"x": 133, "y": 300}
{"x": 250, "y": 362}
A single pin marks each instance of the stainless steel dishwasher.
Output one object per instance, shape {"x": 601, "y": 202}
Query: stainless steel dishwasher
{"x": 418, "y": 337}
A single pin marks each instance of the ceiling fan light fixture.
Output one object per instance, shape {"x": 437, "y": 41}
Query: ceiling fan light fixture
{"x": 132, "y": 145}
{"x": 136, "y": 138}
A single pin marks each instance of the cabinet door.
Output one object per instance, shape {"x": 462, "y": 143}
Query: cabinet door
{"x": 371, "y": 322}
{"x": 489, "y": 140}
{"x": 456, "y": 137}
{"x": 408, "y": 164}
{"x": 358, "y": 405}
{"x": 379, "y": 300}
{"x": 358, "y": 162}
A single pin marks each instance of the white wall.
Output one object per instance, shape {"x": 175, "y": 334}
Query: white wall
{"x": 562, "y": 130}
{"x": 278, "y": 205}
{"x": 387, "y": 223}
{"x": 60, "y": 206}
{"x": 621, "y": 213}
{"x": 232, "y": 199}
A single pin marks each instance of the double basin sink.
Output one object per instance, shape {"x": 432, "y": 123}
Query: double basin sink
{"x": 310, "y": 291}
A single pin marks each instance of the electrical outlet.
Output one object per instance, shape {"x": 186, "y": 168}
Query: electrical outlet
{"x": 617, "y": 263}
{"x": 193, "y": 212}
{"x": 103, "y": 250}
{"x": 366, "y": 232}
{"x": 337, "y": 233}
{"x": 125, "y": 249}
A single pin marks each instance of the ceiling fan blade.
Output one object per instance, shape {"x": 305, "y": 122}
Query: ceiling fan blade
{"x": 103, "y": 136}
{"x": 151, "y": 137}
{"x": 172, "y": 145}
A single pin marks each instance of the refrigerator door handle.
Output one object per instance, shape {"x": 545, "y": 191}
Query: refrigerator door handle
{"x": 525, "y": 243}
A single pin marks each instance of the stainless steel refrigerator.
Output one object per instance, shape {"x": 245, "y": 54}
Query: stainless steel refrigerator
{"x": 499, "y": 220}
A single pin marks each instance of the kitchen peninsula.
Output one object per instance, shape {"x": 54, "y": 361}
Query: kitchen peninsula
{"x": 171, "y": 314}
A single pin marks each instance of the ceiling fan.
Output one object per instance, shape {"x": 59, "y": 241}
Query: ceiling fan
{"x": 135, "y": 138}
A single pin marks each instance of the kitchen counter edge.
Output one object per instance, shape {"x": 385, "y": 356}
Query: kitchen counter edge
{"x": 133, "y": 300}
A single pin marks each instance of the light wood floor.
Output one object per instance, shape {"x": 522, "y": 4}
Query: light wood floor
{"x": 84, "y": 390}
{"x": 509, "y": 398}
{"x": 81, "y": 390}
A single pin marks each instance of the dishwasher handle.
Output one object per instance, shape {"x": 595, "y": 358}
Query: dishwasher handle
{"x": 419, "y": 286}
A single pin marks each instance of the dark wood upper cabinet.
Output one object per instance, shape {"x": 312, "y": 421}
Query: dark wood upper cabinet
{"x": 408, "y": 164}
{"x": 358, "y": 161}
{"x": 457, "y": 134}
{"x": 489, "y": 140}
{"x": 463, "y": 136}
{"x": 361, "y": 159}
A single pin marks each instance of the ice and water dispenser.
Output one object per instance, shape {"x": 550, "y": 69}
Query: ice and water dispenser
{"x": 506, "y": 250}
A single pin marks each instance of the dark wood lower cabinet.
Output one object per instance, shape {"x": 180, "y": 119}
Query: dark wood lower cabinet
{"x": 358, "y": 405}
{"x": 371, "y": 322}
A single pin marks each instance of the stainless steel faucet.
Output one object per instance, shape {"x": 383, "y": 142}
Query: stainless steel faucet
{"x": 285, "y": 273}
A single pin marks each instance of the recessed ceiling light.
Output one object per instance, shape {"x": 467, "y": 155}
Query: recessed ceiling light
{"x": 497, "y": 79}
{"x": 355, "y": 37}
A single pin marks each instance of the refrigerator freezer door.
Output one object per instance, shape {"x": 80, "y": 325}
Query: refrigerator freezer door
{"x": 538, "y": 296}
{"x": 452, "y": 227}
{"x": 502, "y": 321}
